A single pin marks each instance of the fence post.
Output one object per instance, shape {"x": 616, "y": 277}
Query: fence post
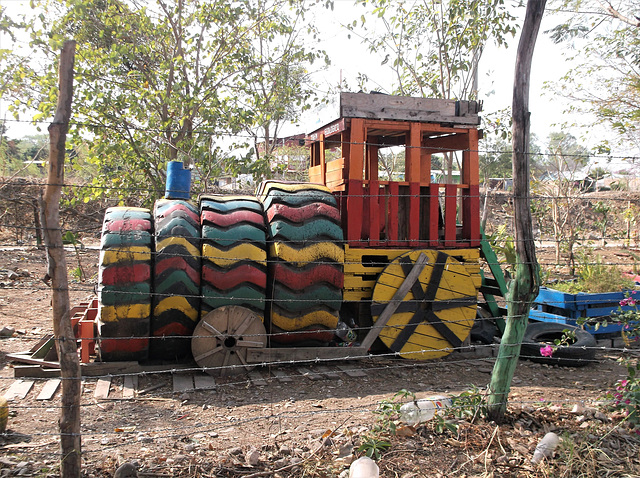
{"x": 70, "y": 465}
{"x": 527, "y": 281}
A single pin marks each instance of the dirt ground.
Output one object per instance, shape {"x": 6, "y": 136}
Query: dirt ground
{"x": 297, "y": 426}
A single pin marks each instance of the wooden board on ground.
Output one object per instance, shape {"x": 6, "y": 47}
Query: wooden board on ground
{"x": 282, "y": 376}
{"x": 257, "y": 379}
{"x": 130, "y": 386}
{"x": 18, "y": 389}
{"x": 204, "y": 381}
{"x": 352, "y": 371}
{"x": 182, "y": 382}
{"x": 102, "y": 388}
{"x": 310, "y": 374}
{"x": 327, "y": 372}
{"x": 49, "y": 390}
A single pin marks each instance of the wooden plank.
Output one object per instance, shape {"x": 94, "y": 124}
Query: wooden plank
{"x": 310, "y": 374}
{"x": 328, "y": 372}
{"x": 352, "y": 371}
{"x": 204, "y": 381}
{"x": 450, "y": 211}
{"x": 49, "y": 390}
{"x": 282, "y": 376}
{"x": 103, "y": 385}
{"x": 271, "y": 355}
{"x": 19, "y": 389}
{"x": 257, "y": 379}
{"x": 387, "y": 107}
{"x": 355, "y": 204}
{"x": 34, "y": 371}
{"x": 414, "y": 214}
{"x": 130, "y": 386}
{"x": 182, "y": 382}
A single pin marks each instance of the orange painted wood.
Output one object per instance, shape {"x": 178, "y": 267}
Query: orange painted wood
{"x": 471, "y": 215}
{"x": 373, "y": 148}
{"x": 374, "y": 213}
{"x": 315, "y": 174}
{"x": 357, "y": 139}
{"x": 450, "y": 203}
{"x": 335, "y": 165}
{"x": 412, "y": 156}
{"x": 334, "y": 176}
{"x": 425, "y": 167}
{"x": 470, "y": 160}
{"x": 393, "y": 200}
{"x": 433, "y": 216}
{"x": 354, "y": 210}
{"x": 322, "y": 160}
{"x": 414, "y": 214}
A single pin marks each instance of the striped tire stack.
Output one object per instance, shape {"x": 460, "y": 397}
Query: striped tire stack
{"x": 124, "y": 284}
{"x": 234, "y": 266}
{"x": 306, "y": 261}
{"x": 176, "y": 304}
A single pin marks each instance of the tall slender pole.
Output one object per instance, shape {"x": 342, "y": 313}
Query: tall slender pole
{"x": 70, "y": 465}
{"x": 524, "y": 288}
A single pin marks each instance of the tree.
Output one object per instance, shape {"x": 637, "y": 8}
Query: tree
{"x": 524, "y": 289}
{"x": 280, "y": 86}
{"x": 164, "y": 82}
{"x": 603, "y": 42}
{"x": 434, "y": 46}
{"x": 562, "y": 210}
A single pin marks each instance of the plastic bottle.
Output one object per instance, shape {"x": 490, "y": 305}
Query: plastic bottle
{"x": 364, "y": 467}
{"x": 545, "y": 447}
{"x": 345, "y": 333}
{"x": 422, "y": 410}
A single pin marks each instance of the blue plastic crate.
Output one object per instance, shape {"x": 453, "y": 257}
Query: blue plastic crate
{"x": 562, "y": 307}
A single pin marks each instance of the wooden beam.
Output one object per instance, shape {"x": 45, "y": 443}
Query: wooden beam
{"x": 65, "y": 339}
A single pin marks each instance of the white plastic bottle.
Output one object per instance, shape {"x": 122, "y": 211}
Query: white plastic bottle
{"x": 545, "y": 447}
{"x": 423, "y": 410}
{"x": 364, "y": 467}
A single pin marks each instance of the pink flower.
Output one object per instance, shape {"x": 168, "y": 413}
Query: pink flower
{"x": 628, "y": 301}
{"x": 624, "y": 383}
{"x": 546, "y": 351}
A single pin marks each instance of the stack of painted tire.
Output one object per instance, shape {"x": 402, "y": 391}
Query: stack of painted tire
{"x": 176, "y": 304}
{"x": 234, "y": 265}
{"x": 306, "y": 261}
{"x": 124, "y": 284}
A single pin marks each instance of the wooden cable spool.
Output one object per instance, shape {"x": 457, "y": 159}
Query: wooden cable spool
{"x": 223, "y": 336}
{"x": 436, "y": 315}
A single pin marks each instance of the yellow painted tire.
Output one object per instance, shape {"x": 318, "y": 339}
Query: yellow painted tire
{"x": 4, "y": 414}
{"x": 437, "y": 313}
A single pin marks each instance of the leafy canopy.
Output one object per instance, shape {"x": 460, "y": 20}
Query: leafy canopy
{"x": 167, "y": 80}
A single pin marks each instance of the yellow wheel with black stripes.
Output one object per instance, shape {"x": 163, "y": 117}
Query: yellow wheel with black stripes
{"x": 428, "y": 317}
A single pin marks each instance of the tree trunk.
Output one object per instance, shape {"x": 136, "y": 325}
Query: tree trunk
{"x": 527, "y": 281}
{"x": 65, "y": 340}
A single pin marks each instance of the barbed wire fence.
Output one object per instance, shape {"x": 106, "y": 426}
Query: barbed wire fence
{"x": 238, "y": 406}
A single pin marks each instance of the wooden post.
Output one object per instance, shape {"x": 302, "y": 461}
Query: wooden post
{"x": 527, "y": 281}
{"x": 65, "y": 340}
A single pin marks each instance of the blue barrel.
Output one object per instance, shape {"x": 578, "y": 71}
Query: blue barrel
{"x": 178, "y": 181}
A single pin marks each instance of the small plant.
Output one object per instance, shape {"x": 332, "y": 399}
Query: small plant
{"x": 376, "y": 441}
{"x": 595, "y": 276}
{"x": 469, "y": 404}
{"x": 70, "y": 238}
{"x": 626, "y": 396}
{"x": 373, "y": 447}
{"x": 504, "y": 244}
